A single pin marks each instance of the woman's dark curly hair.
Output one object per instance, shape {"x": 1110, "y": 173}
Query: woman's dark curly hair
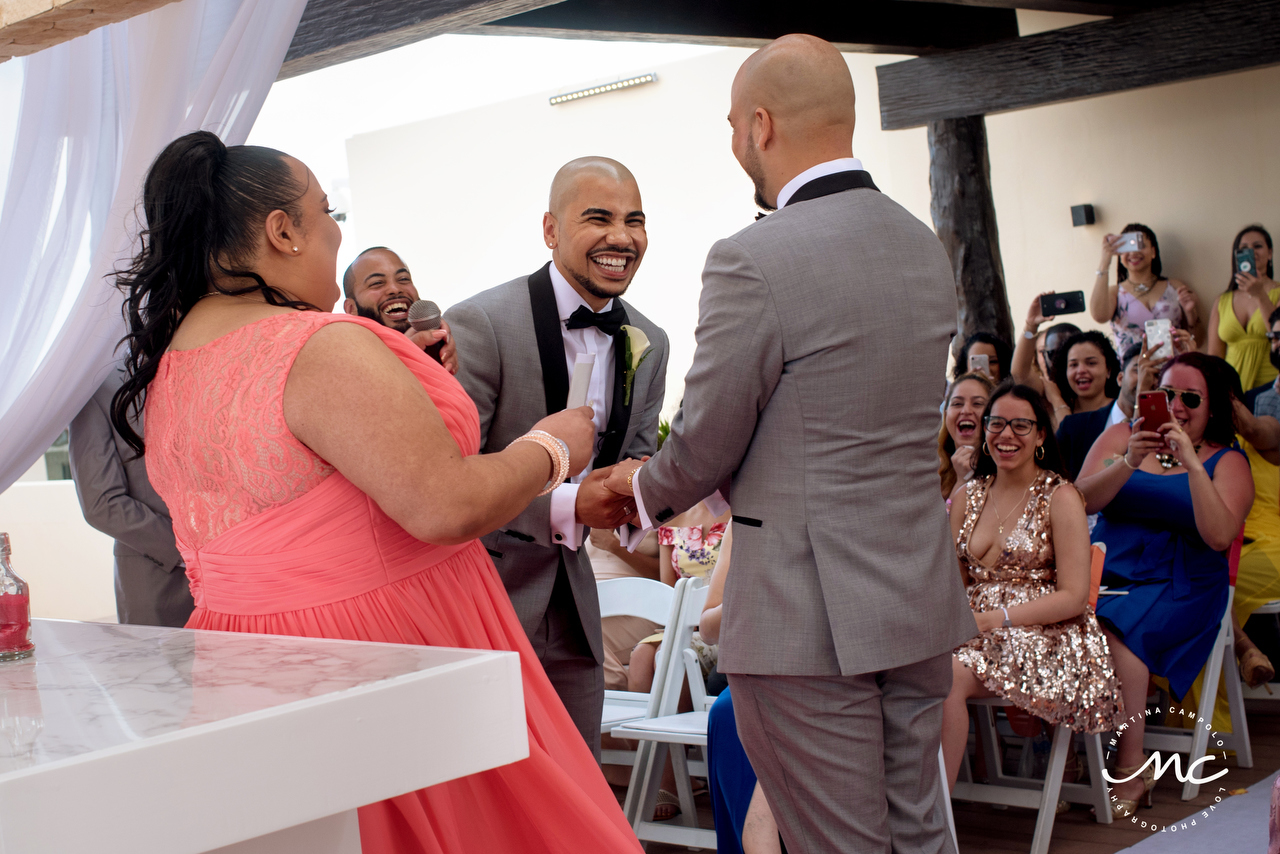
{"x": 203, "y": 204}
{"x": 1235, "y": 247}
{"x": 1063, "y": 356}
{"x": 1223, "y": 384}
{"x": 1004, "y": 353}
{"x": 1052, "y": 458}
{"x": 1157, "y": 266}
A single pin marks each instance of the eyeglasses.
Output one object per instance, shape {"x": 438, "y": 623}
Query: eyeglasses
{"x": 1021, "y": 426}
{"x": 1190, "y": 399}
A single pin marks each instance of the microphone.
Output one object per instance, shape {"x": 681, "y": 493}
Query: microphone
{"x": 424, "y": 316}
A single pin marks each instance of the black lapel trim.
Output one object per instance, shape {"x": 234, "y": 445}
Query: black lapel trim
{"x": 619, "y": 413}
{"x": 546, "y": 329}
{"x": 830, "y": 184}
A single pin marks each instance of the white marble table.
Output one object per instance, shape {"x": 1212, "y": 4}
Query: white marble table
{"x": 143, "y": 740}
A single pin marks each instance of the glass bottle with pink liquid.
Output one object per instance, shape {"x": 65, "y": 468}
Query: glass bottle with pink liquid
{"x": 15, "y": 609}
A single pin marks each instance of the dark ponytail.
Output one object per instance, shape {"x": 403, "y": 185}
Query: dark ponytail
{"x": 204, "y": 205}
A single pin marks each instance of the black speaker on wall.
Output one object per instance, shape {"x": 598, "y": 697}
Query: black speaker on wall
{"x": 1082, "y": 215}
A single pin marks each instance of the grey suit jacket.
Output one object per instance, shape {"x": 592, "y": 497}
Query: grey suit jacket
{"x": 822, "y": 336}
{"x": 500, "y": 367}
{"x": 115, "y": 494}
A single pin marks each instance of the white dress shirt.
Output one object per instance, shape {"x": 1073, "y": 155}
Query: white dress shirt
{"x": 565, "y": 528}
{"x": 1117, "y": 414}
{"x": 822, "y": 170}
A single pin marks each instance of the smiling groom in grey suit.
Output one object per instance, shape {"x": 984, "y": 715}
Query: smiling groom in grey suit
{"x": 821, "y": 343}
{"x": 517, "y": 346}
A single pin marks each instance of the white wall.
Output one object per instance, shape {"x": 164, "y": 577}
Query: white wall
{"x": 461, "y": 197}
{"x": 67, "y": 563}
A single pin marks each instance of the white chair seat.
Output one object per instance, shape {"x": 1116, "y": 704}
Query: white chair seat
{"x": 686, "y": 728}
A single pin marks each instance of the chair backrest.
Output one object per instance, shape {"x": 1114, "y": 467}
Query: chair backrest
{"x": 1097, "y": 559}
{"x": 664, "y": 658}
{"x": 636, "y": 597}
{"x": 679, "y": 637}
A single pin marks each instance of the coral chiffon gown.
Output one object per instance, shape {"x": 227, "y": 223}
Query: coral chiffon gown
{"x": 277, "y": 541}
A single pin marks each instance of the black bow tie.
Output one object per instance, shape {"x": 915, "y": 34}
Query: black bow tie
{"x": 609, "y": 322}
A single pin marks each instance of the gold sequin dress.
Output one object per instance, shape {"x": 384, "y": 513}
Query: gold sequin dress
{"x": 1062, "y": 672}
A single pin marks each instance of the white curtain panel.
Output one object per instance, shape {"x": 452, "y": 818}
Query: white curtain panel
{"x": 94, "y": 113}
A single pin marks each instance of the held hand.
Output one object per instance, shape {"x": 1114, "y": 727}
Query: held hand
{"x": 606, "y": 540}
{"x": 621, "y": 475}
{"x": 599, "y": 507}
{"x": 1034, "y": 317}
{"x": 575, "y": 428}
{"x": 1242, "y": 416}
{"x": 1180, "y": 444}
{"x": 988, "y": 620}
{"x": 1254, "y": 286}
{"x": 963, "y": 461}
{"x": 427, "y": 337}
{"x": 1110, "y": 249}
{"x": 1142, "y": 443}
{"x": 1183, "y": 341}
{"x": 1190, "y": 310}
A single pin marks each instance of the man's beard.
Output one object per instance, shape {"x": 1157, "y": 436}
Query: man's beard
{"x": 376, "y": 316}
{"x": 1275, "y": 359}
{"x": 595, "y": 290}
{"x": 755, "y": 171}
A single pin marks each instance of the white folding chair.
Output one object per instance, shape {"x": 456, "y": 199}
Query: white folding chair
{"x": 1262, "y": 692}
{"x": 1195, "y": 742}
{"x": 670, "y": 728}
{"x": 631, "y": 597}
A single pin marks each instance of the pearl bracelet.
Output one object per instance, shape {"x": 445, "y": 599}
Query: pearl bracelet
{"x": 559, "y": 452}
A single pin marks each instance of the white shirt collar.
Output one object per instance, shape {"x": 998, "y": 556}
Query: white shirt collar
{"x": 567, "y": 299}
{"x": 831, "y": 167}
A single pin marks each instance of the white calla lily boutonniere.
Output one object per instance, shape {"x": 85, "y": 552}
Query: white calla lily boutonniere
{"x": 638, "y": 349}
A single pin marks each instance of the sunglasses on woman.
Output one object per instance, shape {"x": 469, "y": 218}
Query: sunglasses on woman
{"x": 1021, "y": 426}
{"x": 1190, "y": 399}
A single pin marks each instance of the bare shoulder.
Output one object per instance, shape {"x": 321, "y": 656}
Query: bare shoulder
{"x": 1066, "y": 499}
{"x": 341, "y": 348}
{"x": 1233, "y": 464}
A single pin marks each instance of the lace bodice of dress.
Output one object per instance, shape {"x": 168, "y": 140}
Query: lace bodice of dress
{"x": 1027, "y": 553}
{"x": 218, "y": 449}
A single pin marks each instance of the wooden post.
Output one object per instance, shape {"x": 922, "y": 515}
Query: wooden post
{"x": 964, "y": 216}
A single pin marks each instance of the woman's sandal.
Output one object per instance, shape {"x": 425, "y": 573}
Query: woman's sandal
{"x": 1125, "y": 807}
{"x": 1255, "y": 668}
{"x": 668, "y": 806}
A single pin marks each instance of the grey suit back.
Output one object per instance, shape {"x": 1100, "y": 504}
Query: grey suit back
{"x": 499, "y": 367}
{"x": 821, "y": 344}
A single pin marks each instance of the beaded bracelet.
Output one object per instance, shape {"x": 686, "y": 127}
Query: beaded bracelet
{"x": 559, "y": 452}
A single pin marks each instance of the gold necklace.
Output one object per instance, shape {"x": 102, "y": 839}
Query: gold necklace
{"x": 1010, "y": 513}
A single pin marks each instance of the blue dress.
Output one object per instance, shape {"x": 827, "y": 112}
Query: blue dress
{"x": 1177, "y": 585}
{"x": 732, "y": 780}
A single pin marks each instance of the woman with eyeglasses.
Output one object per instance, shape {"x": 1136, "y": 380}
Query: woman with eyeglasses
{"x": 1238, "y": 323}
{"x": 1172, "y": 499}
{"x": 1023, "y": 547}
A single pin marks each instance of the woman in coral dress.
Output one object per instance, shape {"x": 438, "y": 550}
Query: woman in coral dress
{"x": 323, "y": 478}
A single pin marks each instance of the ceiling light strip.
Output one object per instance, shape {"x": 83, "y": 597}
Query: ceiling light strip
{"x": 639, "y": 80}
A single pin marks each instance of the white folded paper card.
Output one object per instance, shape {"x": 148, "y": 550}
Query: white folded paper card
{"x": 581, "y": 380}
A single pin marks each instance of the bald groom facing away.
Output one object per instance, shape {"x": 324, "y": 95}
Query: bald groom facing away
{"x": 519, "y": 343}
{"x": 845, "y": 600}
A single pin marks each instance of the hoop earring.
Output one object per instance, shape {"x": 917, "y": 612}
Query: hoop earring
{"x": 1039, "y": 452}
{"x": 985, "y": 450}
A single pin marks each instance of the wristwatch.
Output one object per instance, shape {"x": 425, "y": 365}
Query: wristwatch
{"x": 1030, "y": 336}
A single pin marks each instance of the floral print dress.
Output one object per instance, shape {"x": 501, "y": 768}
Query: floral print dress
{"x": 694, "y": 552}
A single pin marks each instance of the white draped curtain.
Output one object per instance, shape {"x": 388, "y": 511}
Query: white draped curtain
{"x": 94, "y": 112}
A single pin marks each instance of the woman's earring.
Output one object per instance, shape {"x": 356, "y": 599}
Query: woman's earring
{"x": 985, "y": 450}
{"x": 295, "y": 249}
{"x": 1039, "y": 452}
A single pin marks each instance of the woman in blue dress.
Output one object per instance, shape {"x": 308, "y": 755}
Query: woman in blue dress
{"x": 1172, "y": 498}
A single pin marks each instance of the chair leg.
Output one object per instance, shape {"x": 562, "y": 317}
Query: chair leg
{"x": 1208, "y": 697}
{"x": 1102, "y": 799}
{"x": 1049, "y": 794}
{"x": 647, "y": 801}
{"x": 944, "y": 800}
{"x": 989, "y": 741}
{"x": 684, "y": 786}
{"x": 1239, "y": 740}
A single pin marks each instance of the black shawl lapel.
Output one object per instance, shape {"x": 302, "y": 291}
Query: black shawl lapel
{"x": 829, "y": 184}
{"x": 619, "y": 412}
{"x": 546, "y": 329}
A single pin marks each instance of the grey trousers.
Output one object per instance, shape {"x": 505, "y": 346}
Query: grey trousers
{"x": 149, "y": 595}
{"x": 560, "y": 643}
{"x": 850, "y": 763}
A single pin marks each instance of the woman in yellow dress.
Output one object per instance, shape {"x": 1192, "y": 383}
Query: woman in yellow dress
{"x": 1238, "y": 322}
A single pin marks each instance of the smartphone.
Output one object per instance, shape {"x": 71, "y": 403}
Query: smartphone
{"x": 1246, "y": 262}
{"x": 1153, "y": 408}
{"x": 979, "y": 364}
{"x": 1072, "y": 302}
{"x": 1134, "y": 241}
{"x": 1160, "y": 331}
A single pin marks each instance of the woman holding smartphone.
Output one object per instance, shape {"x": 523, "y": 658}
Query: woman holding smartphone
{"x": 1142, "y": 292}
{"x": 1172, "y": 498}
{"x": 1238, "y": 322}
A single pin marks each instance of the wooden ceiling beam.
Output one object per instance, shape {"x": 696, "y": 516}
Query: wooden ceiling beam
{"x": 1144, "y": 49}
{"x": 27, "y": 26}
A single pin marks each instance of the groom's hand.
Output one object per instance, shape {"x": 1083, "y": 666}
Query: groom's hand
{"x": 620, "y": 476}
{"x": 600, "y": 507}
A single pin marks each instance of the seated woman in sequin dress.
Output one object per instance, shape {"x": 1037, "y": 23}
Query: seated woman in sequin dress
{"x": 1172, "y": 498}
{"x": 1023, "y": 545}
